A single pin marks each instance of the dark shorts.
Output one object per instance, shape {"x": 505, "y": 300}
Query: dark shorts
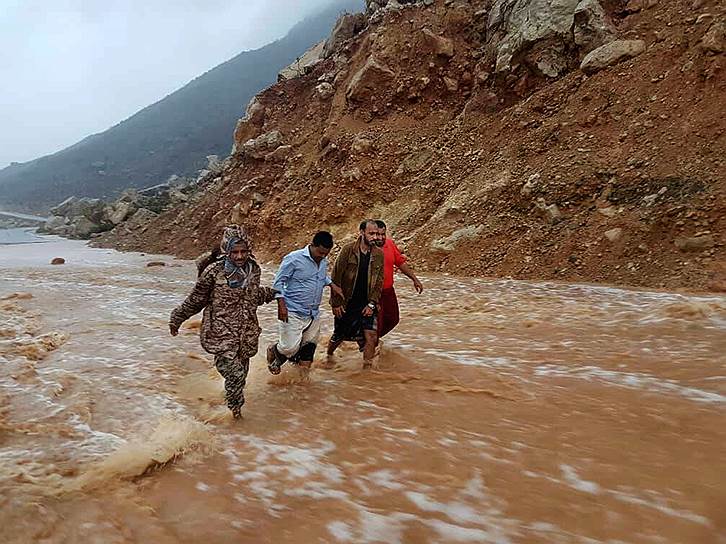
{"x": 352, "y": 324}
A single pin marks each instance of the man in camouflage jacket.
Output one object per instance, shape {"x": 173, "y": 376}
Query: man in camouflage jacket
{"x": 229, "y": 292}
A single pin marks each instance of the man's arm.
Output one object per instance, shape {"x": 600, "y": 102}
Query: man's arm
{"x": 194, "y": 303}
{"x": 416, "y": 283}
{"x": 283, "y": 276}
{"x": 337, "y": 300}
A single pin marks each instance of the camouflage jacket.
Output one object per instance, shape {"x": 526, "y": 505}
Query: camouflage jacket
{"x": 229, "y": 322}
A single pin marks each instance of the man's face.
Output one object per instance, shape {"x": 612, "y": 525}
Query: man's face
{"x": 381, "y": 237}
{"x": 239, "y": 254}
{"x": 370, "y": 234}
{"x": 318, "y": 253}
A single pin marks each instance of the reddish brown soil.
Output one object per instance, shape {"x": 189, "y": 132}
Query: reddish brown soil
{"x": 653, "y": 125}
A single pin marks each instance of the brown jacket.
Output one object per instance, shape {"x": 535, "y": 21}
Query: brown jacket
{"x": 345, "y": 273}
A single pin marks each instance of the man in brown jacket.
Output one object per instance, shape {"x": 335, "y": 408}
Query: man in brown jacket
{"x": 358, "y": 271}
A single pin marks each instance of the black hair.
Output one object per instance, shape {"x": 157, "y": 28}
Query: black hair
{"x": 364, "y": 223}
{"x": 323, "y": 239}
{"x": 381, "y": 224}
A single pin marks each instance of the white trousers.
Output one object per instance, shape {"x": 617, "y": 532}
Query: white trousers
{"x": 296, "y": 332}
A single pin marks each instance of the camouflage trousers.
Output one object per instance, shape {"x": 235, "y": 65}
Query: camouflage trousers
{"x": 233, "y": 369}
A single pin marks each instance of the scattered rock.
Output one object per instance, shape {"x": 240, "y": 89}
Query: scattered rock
{"x": 714, "y": 41}
{"x": 58, "y": 260}
{"x": 452, "y": 85}
{"x": 151, "y": 264}
{"x": 696, "y": 243}
{"x": 347, "y": 26}
{"x": 414, "y": 163}
{"x": 354, "y": 174}
{"x": 442, "y": 47}
{"x": 281, "y": 154}
{"x": 259, "y": 147}
{"x": 609, "y": 211}
{"x": 614, "y": 234}
{"x": 325, "y": 90}
{"x": 450, "y": 242}
{"x": 550, "y": 212}
{"x": 610, "y": 54}
{"x": 361, "y": 144}
{"x": 369, "y": 80}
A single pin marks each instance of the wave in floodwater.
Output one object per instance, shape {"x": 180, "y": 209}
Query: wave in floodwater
{"x": 498, "y": 411}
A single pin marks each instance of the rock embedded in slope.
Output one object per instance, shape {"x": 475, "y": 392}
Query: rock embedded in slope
{"x": 374, "y": 76}
{"x": 610, "y": 54}
{"x": 441, "y": 46}
{"x": 260, "y": 147}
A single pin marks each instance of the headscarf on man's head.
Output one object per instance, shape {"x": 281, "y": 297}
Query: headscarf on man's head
{"x": 235, "y": 235}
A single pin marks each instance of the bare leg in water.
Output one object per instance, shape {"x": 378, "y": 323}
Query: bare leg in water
{"x": 369, "y": 350}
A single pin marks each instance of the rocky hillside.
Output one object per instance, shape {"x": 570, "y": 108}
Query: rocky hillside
{"x": 576, "y": 140}
{"x": 171, "y": 137}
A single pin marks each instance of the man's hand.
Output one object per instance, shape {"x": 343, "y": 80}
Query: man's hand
{"x": 367, "y": 311}
{"x": 173, "y": 329}
{"x": 336, "y": 290}
{"x": 338, "y": 311}
{"x": 417, "y": 285}
{"x": 281, "y": 310}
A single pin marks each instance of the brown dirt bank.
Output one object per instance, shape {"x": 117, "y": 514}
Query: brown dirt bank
{"x": 618, "y": 177}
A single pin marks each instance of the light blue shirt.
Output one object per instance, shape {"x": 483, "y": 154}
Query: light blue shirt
{"x": 300, "y": 281}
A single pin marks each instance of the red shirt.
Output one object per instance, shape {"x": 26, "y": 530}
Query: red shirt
{"x": 392, "y": 257}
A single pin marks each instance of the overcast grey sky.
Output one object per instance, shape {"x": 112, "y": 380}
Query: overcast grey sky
{"x": 70, "y": 68}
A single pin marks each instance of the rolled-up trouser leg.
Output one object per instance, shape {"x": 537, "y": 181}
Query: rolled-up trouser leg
{"x": 233, "y": 369}
{"x": 295, "y": 334}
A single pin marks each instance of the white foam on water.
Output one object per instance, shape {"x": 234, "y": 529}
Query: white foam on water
{"x": 341, "y": 531}
{"x": 659, "y": 505}
{"x": 455, "y": 511}
{"x": 572, "y": 478}
{"x": 631, "y": 381}
{"x": 385, "y": 479}
{"x": 456, "y": 533}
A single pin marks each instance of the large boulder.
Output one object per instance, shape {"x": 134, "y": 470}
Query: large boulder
{"x": 81, "y": 227}
{"x": 347, "y": 26}
{"x": 56, "y": 224}
{"x": 714, "y": 41}
{"x": 90, "y": 208}
{"x": 260, "y": 147}
{"x": 610, "y": 54}
{"x": 140, "y": 219}
{"x": 542, "y": 33}
{"x": 120, "y": 211}
{"x": 304, "y": 64}
{"x": 592, "y": 27}
{"x": 249, "y": 126}
{"x": 371, "y": 78}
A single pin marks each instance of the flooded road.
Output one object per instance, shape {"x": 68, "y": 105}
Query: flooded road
{"x": 500, "y": 411}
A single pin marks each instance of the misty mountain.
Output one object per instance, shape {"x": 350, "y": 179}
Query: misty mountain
{"x": 172, "y": 136}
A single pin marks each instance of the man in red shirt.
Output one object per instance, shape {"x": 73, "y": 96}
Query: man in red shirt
{"x": 392, "y": 258}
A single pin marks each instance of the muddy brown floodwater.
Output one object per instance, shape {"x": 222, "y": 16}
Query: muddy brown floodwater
{"x": 500, "y": 411}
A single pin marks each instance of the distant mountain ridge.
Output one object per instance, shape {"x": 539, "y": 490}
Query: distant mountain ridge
{"x": 172, "y": 136}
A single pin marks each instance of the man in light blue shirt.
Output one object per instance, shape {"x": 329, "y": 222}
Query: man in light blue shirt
{"x": 300, "y": 281}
